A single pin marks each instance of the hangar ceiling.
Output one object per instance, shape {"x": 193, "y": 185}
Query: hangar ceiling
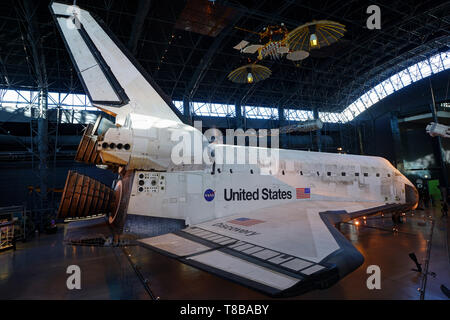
{"x": 187, "y": 46}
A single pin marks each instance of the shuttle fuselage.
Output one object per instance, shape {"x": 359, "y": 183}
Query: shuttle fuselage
{"x": 197, "y": 193}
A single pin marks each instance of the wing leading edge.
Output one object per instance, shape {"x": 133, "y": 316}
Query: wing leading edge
{"x": 281, "y": 251}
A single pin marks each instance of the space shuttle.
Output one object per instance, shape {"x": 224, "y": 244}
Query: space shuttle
{"x": 268, "y": 227}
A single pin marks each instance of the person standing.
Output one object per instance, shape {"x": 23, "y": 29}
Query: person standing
{"x": 444, "y": 209}
{"x": 426, "y": 198}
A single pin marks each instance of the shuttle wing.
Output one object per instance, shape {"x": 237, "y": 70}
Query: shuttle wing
{"x": 281, "y": 251}
{"x": 112, "y": 79}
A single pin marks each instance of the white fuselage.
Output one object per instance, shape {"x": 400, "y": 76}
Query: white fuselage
{"x": 198, "y": 196}
{"x": 213, "y": 189}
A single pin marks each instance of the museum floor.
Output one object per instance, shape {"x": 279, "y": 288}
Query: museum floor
{"x": 37, "y": 269}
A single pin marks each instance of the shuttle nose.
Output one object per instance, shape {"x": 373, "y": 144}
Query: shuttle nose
{"x": 411, "y": 196}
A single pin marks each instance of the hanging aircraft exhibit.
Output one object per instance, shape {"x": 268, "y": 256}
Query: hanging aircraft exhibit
{"x": 276, "y": 42}
{"x": 435, "y": 129}
{"x": 268, "y": 228}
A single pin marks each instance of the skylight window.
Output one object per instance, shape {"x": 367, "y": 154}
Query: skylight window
{"x": 416, "y": 72}
{"x": 213, "y": 109}
{"x": 379, "y": 89}
{"x": 298, "y": 115}
{"x": 373, "y": 96}
{"x": 405, "y": 77}
{"x": 348, "y": 115}
{"x": 360, "y": 105}
{"x": 424, "y": 68}
{"x": 436, "y": 63}
{"x": 353, "y": 109}
{"x": 388, "y": 87}
{"x": 20, "y": 98}
{"x": 179, "y": 105}
{"x": 446, "y": 59}
{"x": 330, "y": 117}
{"x": 396, "y": 82}
{"x": 366, "y": 100}
{"x": 254, "y": 112}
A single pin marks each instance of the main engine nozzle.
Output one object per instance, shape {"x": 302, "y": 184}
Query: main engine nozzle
{"x": 86, "y": 197}
{"x": 87, "y": 149}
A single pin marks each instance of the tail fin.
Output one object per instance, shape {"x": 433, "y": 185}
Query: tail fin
{"x": 113, "y": 80}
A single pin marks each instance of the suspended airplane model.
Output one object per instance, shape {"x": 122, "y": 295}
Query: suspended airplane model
{"x": 277, "y": 42}
{"x": 272, "y": 232}
{"x": 438, "y": 130}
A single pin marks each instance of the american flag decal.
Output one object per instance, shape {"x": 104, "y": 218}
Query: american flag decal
{"x": 303, "y": 193}
{"x": 246, "y": 222}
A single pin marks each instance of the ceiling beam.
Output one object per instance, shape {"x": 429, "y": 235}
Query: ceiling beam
{"x": 142, "y": 11}
{"x": 29, "y": 14}
{"x": 208, "y": 57}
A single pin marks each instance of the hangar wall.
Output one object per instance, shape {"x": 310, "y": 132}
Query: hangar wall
{"x": 412, "y": 150}
{"x": 17, "y": 177}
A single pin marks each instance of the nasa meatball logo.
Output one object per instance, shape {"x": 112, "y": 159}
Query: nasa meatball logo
{"x": 209, "y": 195}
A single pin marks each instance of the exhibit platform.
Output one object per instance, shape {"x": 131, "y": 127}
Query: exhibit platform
{"x": 37, "y": 269}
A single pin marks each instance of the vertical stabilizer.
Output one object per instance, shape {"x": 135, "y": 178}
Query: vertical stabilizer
{"x": 111, "y": 77}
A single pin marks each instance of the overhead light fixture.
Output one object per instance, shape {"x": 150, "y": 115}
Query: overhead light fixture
{"x": 315, "y": 35}
{"x": 313, "y": 41}
{"x": 249, "y": 78}
{"x": 249, "y": 74}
